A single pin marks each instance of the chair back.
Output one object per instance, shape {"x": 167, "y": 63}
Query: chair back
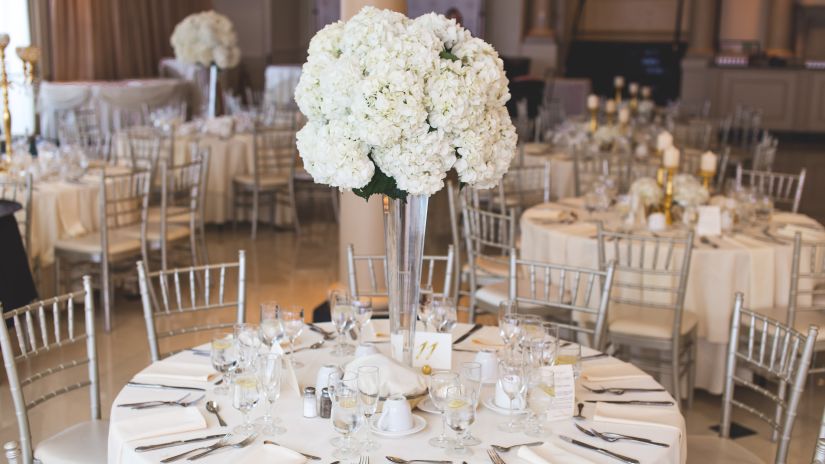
{"x": 819, "y": 449}
{"x": 651, "y": 272}
{"x": 696, "y": 134}
{"x": 375, "y": 268}
{"x": 807, "y": 272}
{"x": 20, "y": 191}
{"x": 274, "y": 153}
{"x": 524, "y": 186}
{"x": 488, "y": 233}
{"x": 81, "y": 127}
{"x": 588, "y": 166}
{"x": 561, "y": 291}
{"x": 45, "y": 334}
{"x": 784, "y": 189}
{"x": 124, "y": 199}
{"x": 764, "y": 154}
{"x": 144, "y": 147}
{"x": 690, "y": 161}
{"x": 186, "y": 295}
{"x": 775, "y": 352}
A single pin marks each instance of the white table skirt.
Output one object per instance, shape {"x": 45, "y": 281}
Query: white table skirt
{"x": 313, "y": 435}
{"x": 562, "y": 171}
{"x": 759, "y": 269}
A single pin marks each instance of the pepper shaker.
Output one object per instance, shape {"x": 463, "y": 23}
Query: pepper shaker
{"x": 310, "y": 403}
{"x": 325, "y": 406}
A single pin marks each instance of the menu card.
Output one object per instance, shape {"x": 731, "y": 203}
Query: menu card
{"x": 710, "y": 221}
{"x": 565, "y": 401}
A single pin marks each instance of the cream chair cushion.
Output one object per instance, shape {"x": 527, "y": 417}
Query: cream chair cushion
{"x": 83, "y": 443}
{"x": 266, "y": 181}
{"x": 173, "y": 214}
{"x": 120, "y": 242}
{"x": 650, "y": 323}
{"x": 173, "y": 232}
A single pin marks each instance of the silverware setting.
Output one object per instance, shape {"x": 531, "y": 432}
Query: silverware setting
{"x": 505, "y": 449}
{"x": 398, "y": 460}
{"x": 220, "y": 442}
{"x": 578, "y": 415}
{"x": 170, "y": 444}
{"x": 593, "y": 356}
{"x": 213, "y": 407}
{"x": 163, "y": 387}
{"x": 473, "y": 330}
{"x": 619, "y": 391}
{"x": 633, "y": 402}
{"x": 241, "y": 444}
{"x": 327, "y": 335}
{"x": 154, "y": 404}
{"x": 308, "y": 456}
{"x": 602, "y": 451}
{"x": 200, "y": 352}
{"x": 613, "y": 437}
{"x": 314, "y": 346}
{"x": 709, "y": 243}
{"x": 494, "y": 456}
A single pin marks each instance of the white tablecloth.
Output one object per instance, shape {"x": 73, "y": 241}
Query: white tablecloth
{"x": 313, "y": 435}
{"x": 281, "y": 80}
{"x": 757, "y": 267}
{"x": 109, "y": 98}
{"x": 562, "y": 171}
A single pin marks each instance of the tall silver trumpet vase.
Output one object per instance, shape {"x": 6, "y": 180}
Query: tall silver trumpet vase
{"x": 212, "y": 105}
{"x": 404, "y": 224}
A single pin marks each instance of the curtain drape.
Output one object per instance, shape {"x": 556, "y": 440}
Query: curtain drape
{"x": 113, "y": 39}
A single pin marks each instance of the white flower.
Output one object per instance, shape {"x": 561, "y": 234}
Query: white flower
{"x": 414, "y": 98}
{"x": 206, "y": 38}
{"x": 647, "y": 190}
{"x": 688, "y": 191}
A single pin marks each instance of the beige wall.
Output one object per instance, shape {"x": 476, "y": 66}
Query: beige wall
{"x": 632, "y": 20}
{"x": 744, "y": 20}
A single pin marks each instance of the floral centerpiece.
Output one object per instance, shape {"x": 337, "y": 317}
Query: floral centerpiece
{"x": 688, "y": 191}
{"x": 208, "y": 39}
{"x": 392, "y": 105}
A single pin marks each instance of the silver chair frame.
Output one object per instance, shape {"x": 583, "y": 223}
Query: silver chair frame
{"x": 574, "y": 293}
{"x": 21, "y": 192}
{"x": 26, "y": 322}
{"x": 524, "y": 186}
{"x": 586, "y": 168}
{"x": 176, "y": 301}
{"x": 814, "y": 274}
{"x": 785, "y": 189}
{"x": 776, "y": 352}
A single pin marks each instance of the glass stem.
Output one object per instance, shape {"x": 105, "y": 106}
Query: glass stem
{"x": 443, "y": 426}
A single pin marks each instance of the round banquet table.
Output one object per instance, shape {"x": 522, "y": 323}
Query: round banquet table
{"x": 16, "y": 282}
{"x": 750, "y": 262}
{"x": 562, "y": 178}
{"x": 131, "y": 428}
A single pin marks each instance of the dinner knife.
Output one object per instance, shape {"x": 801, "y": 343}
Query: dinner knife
{"x": 473, "y": 330}
{"x": 164, "y": 387}
{"x": 603, "y": 451}
{"x": 635, "y": 402}
{"x": 170, "y": 444}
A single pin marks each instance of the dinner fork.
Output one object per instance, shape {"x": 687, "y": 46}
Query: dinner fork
{"x": 614, "y": 437}
{"x": 620, "y": 391}
{"x": 505, "y": 449}
{"x": 364, "y": 460}
{"x": 220, "y": 442}
{"x": 241, "y": 444}
{"x": 144, "y": 403}
{"x": 494, "y": 456}
{"x": 184, "y": 404}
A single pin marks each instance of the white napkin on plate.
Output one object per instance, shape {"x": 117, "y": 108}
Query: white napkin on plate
{"x": 613, "y": 371}
{"x": 271, "y": 453}
{"x": 395, "y": 378}
{"x": 549, "y": 453}
{"x": 161, "y": 422}
{"x": 176, "y": 371}
{"x": 653, "y": 416}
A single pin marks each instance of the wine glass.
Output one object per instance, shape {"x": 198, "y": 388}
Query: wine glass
{"x": 531, "y": 328}
{"x": 224, "y": 360}
{"x": 271, "y": 329}
{"x": 443, "y": 314}
{"x": 541, "y": 393}
{"x": 362, "y": 308}
{"x": 343, "y": 318}
{"x": 425, "y": 300}
{"x": 347, "y": 417}
{"x": 368, "y": 393}
{"x": 512, "y": 381}
{"x": 470, "y": 377}
{"x": 245, "y": 395}
{"x": 269, "y": 375}
{"x": 292, "y": 319}
{"x": 571, "y": 354}
{"x": 248, "y": 345}
{"x": 439, "y": 383}
{"x": 460, "y": 414}
{"x": 509, "y": 324}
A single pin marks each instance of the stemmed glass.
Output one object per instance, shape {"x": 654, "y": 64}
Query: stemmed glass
{"x": 269, "y": 376}
{"x": 248, "y": 345}
{"x": 271, "y": 330}
{"x": 541, "y": 393}
{"x": 512, "y": 380}
{"x": 440, "y": 382}
{"x": 292, "y": 319}
{"x": 343, "y": 318}
{"x": 347, "y": 417}
{"x": 425, "y": 300}
{"x": 460, "y": 414}
{"x": 368, "y": 393}
{"x": 224, "y": 360}
{"x": 362, "y": 307}
{"x": 571, "y": 354}
{"x": 245, "y": 395}
{"x": 470, "y": 376}
{"x": 443, "y": 314}
{"x": 509, "y": 324}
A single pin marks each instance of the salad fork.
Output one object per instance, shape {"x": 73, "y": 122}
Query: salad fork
{"x": 219, "y": 443}
{"x": 494, "y": 456}
{"x": 505, "y": 449}
{"x": 241, "y": 444}
{"x": 620, "y": 391}
{"x": 144, "y": 403}
{"x": 611, "y": 437}
{"x": 184, "y": 404}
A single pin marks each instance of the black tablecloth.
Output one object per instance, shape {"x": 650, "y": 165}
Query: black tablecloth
{"x": 16, "y": 282}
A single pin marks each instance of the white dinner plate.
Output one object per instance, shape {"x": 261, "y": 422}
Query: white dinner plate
{"x": 418, "y": 425}
{"x": 428, "y": 406}
{"x": 490, "y": 404}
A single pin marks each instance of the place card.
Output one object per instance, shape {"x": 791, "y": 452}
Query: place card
{"x": 710, "y": 221}
{"x": 565, "y": 401}
{"x": 430, "y": 349}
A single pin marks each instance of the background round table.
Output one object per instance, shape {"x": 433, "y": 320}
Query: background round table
{"x": 16, "y": 283}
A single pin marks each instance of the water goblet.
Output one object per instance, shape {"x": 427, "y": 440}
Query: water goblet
{"x": 347, "y": 417}
{"x": 571, "y": 354}
{"x": 440, "y": 382}
{"x": 368, "y": 394}
{"x": 343, "y": 318}
{"x": 292, "y": 319}
{"x": 224, "y": 360}
{"x": 245, "y": 395}
{"x": 362, "y": 308}
{"x": 509, "y": 324}
{"x": 269, "y": 369}
{"x": 541, "y": 393}
{"x": 512, "y": 380}
{"x": 470, "y": 377}
{"x": 443, "y": 315}
{"x": 248, "y": 344}
{"x": 425, "y": 300}
{"x": 271, "y": 330}
{"x": 460, "y": 415}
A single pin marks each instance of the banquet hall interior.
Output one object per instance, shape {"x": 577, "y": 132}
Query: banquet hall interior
{"x": 468, "y": 231}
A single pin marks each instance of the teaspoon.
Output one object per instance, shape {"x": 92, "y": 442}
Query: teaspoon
{"x": 213, "y": 407}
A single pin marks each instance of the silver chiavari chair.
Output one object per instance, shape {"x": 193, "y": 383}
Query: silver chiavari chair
{"x": 524, "y": 186}
{"x": 777, "y": 353}
{"x": 81, "y": 126}
{"x": 651, "y": 274}
{"x": 144, "y": 147}
{"x": 575, "y": 298}
{"x": 187, "y": 301}
{"x": 764, "y": 153}
{"x": 806, "y": 302}
{"x": 20, "y": 191}
{"x": 819, "y": 449}
{"x": 45, "y": 334}
{"x": 588, "y": 166}
{"x": 124, "y": 200}
{"x": 784, "y": 189}
{"x": 696, "y": 134}
{"x": 375, "y": 284}
{"x": 489, "y": 238}
{"x": 272, "y": 181}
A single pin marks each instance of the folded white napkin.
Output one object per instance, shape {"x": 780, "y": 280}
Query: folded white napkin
{"x": 613, "y": 371}
{"x": 549, "y": 453}
{"x": 270, "y": 453}
{"x": 395, "y": 378}
{"x": 487, "y": 338}
{"x": 221, "y": 126}
{"x": 170, "y": 370}
{"x": 654, "y": 416}
{"x": 161, "y": 422}
{"x": 808, "y": 234}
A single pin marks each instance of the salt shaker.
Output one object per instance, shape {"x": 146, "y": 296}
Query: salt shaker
{"x": 325, "y": 406}
{"x": 310, "y": 403}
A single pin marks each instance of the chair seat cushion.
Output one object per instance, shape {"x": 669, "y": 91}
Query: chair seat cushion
{"x": 86, "y": 442}
{"x": 120, "y": 242}
{"x": 266, "y": 181}
{"x": 651, "y": 323}
{"x": 173, "y": 232}
{"x": 176, "y": 214}
{"x": 805, "y": 319}
{"x": 711, "y": 449}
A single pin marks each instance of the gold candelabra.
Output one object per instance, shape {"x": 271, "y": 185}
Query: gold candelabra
{"x": 670, "y": 172}
{"x": 4, "y": 83}
{"x": 30, "y": 56}
{"x": 618, "y": 96}
{"x": 594, "y": 120}
{"x": 706, "y": 176}
{"x": 611, "y": 117}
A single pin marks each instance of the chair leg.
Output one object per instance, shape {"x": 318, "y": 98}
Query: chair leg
{"x": 694, "y": 352}
{"x": 56, "y": 274}
{"x": 235, "y": 208}
{"x": 193, "y": 246}
{"x": 676, "y": 374}
{"x": 255, "y": 197}
{"x": 781, "y": 392}
{"x": 105, "y": 289}
{"x": 204, "y": 249}
{"x": 272, "y": 207}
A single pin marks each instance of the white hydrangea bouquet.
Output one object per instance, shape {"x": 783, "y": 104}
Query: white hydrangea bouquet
{"x": 688, "y": 191}
{"x": 648, "y": 191}
{"x": 206, "y": 38}
{"x": 393, "y": 104}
